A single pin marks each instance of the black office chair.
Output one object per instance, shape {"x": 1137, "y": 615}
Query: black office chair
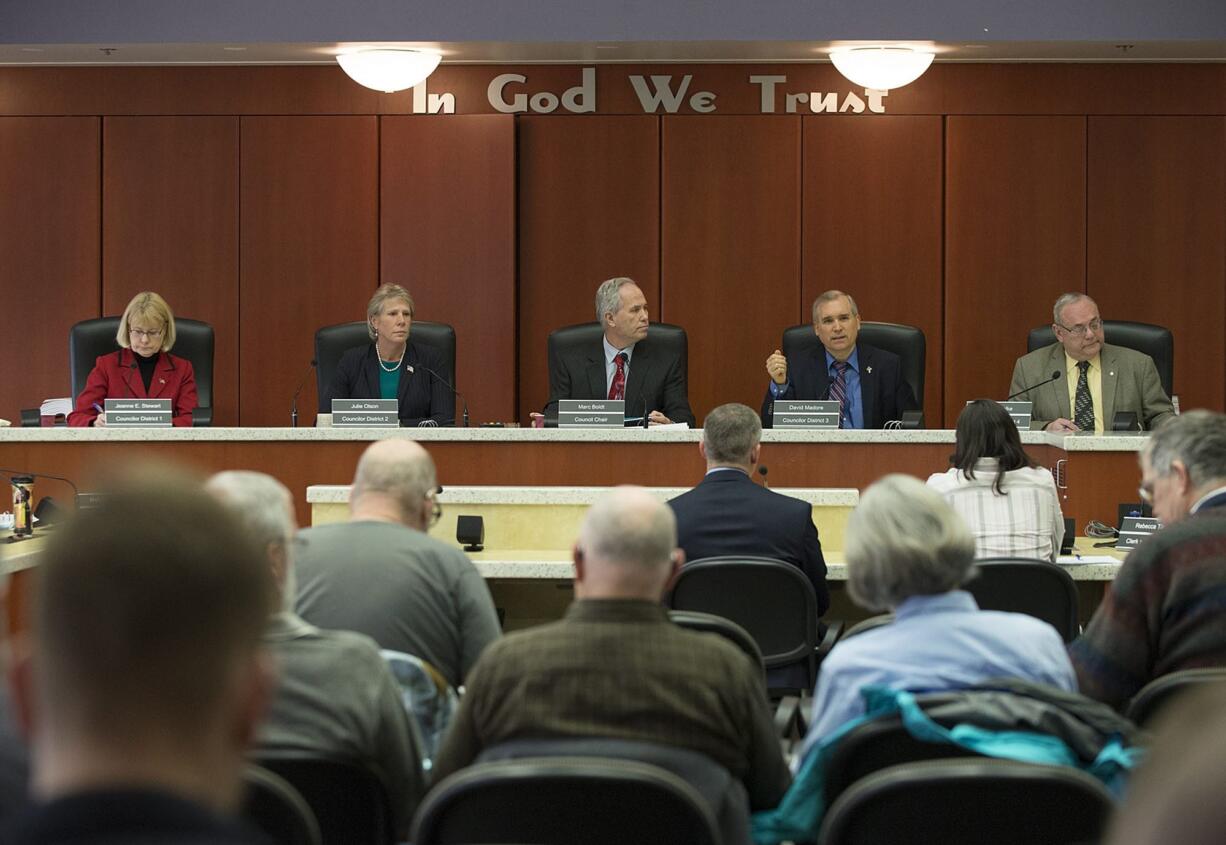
{"x": 769, "y": 598}
{"x": 960, "y": 802}
{"x": 1037, "y": 588}
{"x": 907, "y": 342}
{"x": 89, "y": 339}
{"x": 663, "y": 336}
{"x": 709, "y": 623}
{"x": 272, "y": 806}
{"x": 1158, "y": 694}
{"x": 561, "y": 801}
{"x": 868, "y": 624}
{"x": 331, "y": 342}
{"x": 350, "y": 799}
{"x": 1155, "y": 341}
{"x": 723, "y": 794}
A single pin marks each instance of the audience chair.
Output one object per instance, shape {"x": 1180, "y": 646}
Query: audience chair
{"x": 965, "y": 802}
{"x": 562, "y": 801}
{"x": 331, "y": 342}
{"x": 907, "y": 342}
{"x": 1155, "y": 341}
{"x": 1158, "y": 694}
{"x": 349, "y": 798}
{"x": 711, "y": 624}
{"x": 89, "y": 339}
{"x": 1037, "y": 588}
{"x": 276, "y": 809}
{"x": 428, "y": 699}
{"x": 722, "y": 794}
{"x": 586, "y": 336}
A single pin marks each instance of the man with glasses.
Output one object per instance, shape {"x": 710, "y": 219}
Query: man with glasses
{"x": 1095, "y": 378}
{"x": 380, "y": 574}
{"x": 1163, "y": 611}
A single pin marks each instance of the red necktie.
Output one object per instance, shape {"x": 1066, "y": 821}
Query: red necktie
{"x": 617, "y": 390}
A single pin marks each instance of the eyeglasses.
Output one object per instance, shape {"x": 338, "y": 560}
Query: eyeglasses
{"x": 148, "y": 334}
{"x": 1080, "y": 329}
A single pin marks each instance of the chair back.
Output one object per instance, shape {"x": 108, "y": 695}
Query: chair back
{"x": 561, "y": 801}
{"x": 770, "y": 599}
{"x": 1155, "y": 341}
{"x": 331, "y": 342}
{"x": 907, "y": 342}
{"x": 959, "y": 802}
{"x": 709, "y": 623}
{"x": 272, "y": 806}
{"x": 1158, "y": 694}
{"x": 1037, "y": 588}
{"x": 349, "y": 798}
{"x": 585, "y": 336}
{"x": 194, "y": 342}
{"x": 427, "y": 698}
{"x": 869, "y": 624}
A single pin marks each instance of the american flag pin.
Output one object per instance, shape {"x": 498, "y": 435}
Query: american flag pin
{"x": 161, "y": 381}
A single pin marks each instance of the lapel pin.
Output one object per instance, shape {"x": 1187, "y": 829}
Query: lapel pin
{"x": 868, "y": 369}
{"x": 161, "y": 381}
{"x": 1112, "y": 373}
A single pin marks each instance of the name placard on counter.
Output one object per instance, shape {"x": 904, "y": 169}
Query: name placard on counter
{"x": 806, "y": 414}
{"x": 591, "y": 413}
{"x": 1134, "y": 529}
{"x": 1019, "y": 412}
{"x": 138, "y": 413}
{"x": 365, "y": 413}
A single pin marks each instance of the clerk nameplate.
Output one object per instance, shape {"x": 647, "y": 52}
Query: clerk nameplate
{"x": 591, "y": 413}
{"x": 138, "y": 413}
{"x": 365, "y": 413}
{"x": 806, "y": 414}
{"x": 1134, "y": 529}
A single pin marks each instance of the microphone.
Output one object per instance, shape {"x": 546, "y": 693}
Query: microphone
{"x": 293, "y": 416}
{"x": 1055, "y": 375}
{"x": 127, "y": 376}
{"x": 762, "y": 472}
{"x": 449, "y": 386}
{"x": 67, "y": 481}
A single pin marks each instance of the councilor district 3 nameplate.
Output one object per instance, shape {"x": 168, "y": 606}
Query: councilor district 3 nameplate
{"x": 806, "y": 414}
{"x": 1134, "y": 529}
{"x": 1019, "y": 412}
{"x": 591, "y": 413}
{"x": 365, "y": 413}
{"x": 138, "y": 413}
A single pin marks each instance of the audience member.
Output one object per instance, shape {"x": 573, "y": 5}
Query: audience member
{"x": 909, "y": 552}
{"x": 380, "y": 574}
{"x": 335, "y": 696}
{"x": 145, "y": 680}
{"x": 615, "y": 666}
{"x": 1007, "y": 500}
{"x": 1162, "y": 613}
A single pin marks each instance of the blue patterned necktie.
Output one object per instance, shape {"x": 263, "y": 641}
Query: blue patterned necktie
{"x": 838, "y": 392}
{"x": 1083, "y": 405}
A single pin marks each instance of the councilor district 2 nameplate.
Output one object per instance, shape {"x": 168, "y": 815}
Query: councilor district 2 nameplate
{"x": 365, "y": 413}
{"x": 806, "y": 414}
{"x": 591, "y": 413}
{"x": 1134, "y": 529}
{"x": 137, "y": 413}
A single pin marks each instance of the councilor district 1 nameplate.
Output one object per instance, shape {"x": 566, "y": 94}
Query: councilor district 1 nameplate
{"x": 138, "y": 413}
{"x": 591, "y": 413}
{"x": 1134, "y": 529}
{"x": 365, "y": 413}
{"x": 806, "y": 414}
{"x": 1019, "y": 412}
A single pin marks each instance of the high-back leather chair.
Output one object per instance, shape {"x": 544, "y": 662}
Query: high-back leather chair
{"x": 89, "y": 339}
{"x": 1037, "y": 588}
{"x": 907, "y": 342}
{"x": 669, "y": 338}
{"x": 1155, "y": 341}
{"x": 331, "y": 342}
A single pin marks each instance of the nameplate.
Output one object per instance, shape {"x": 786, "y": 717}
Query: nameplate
{"x": 1019, "y": 412}
{"x": 138, "y": 413}
{"x": 365, "y": 413}
{"x": 591, "y": 413}
{"x": 806, "y": 414}
{"x": 1134, "y": 529}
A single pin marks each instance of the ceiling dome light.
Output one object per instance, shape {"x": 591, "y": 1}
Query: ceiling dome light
{"x": 882, "y": 68}
{"x": 388, "y": 70}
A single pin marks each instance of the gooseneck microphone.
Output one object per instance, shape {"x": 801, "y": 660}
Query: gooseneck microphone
{"x": 450, "y": 387}
{"x": 67, "y": 481}
{"x": 1055, "y": 375}
{"x": 293, "y": 416}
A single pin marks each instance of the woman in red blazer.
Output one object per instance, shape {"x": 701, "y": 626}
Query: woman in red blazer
{"x": 143, "y": 368}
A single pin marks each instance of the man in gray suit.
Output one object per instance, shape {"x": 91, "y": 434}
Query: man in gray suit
{"x": 1096, "y": 379}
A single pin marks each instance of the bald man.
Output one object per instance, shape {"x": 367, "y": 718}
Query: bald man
{"x": 381, "y": 575}
{"x": 616, "y": 667}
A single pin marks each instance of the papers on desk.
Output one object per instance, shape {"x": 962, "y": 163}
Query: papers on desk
{"x": 1075, "y": 560}
{"x": 52, "y": 407}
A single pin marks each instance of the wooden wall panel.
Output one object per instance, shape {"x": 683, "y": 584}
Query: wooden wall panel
{"x": 308, "y": 250}
{"x": 1015, "y": 239}
{"x": 730, "y": 247}
{"x": 170, "y": 224}
{"x": 447, "y": 233}
{"x": 1157, "y": 238}
{"x": 49, "y": 251}
{"x": 589, "y": 209}
{"x": 872, "y": 225}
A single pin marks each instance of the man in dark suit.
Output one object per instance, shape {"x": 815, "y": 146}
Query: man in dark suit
{"x": 866, "y": 380}
{"x": 624, "y": 365}
{"x": 728, "y": 514}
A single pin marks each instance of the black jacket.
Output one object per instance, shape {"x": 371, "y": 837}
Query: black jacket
{"x": 657, "y": 381}
{"x": 885, "y": 394}
{"x": 423, "y": 395}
